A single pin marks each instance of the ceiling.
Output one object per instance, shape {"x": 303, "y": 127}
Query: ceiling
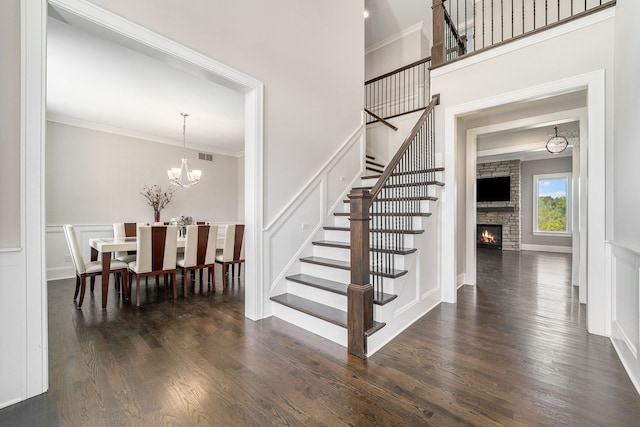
{"x": 525, "y": 144}
{"x": 101, "y": 84}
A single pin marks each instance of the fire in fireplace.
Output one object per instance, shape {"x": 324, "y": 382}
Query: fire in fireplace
{"x": 489, "y": 236}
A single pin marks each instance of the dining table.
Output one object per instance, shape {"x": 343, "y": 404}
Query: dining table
{"x": 107, "y": 245}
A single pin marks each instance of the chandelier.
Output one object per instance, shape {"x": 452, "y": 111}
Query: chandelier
{"x": 182, "y": 176}
{"x": 557, "y": 144}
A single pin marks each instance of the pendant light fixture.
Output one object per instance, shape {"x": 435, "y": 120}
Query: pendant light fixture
{"x": 182, "y": 176}
{"x": 557, "y": 144}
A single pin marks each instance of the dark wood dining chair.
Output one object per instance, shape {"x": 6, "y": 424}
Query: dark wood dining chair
{"x": 199, "y": 253}
{"x": 233, "y": 249}
{"x": 156, "y": 256}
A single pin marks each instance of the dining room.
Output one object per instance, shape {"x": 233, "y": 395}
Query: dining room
{"x": 119, "y": 122}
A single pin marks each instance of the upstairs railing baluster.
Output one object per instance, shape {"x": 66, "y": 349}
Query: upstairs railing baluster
{"x": 398, "y": 92}
{"x": 450, "y": 40}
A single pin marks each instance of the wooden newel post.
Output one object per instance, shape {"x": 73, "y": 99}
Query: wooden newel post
{"x": 360, "y": 291}
{"x": 438, "y": 50}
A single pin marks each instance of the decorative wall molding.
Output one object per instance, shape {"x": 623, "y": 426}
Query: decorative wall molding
{"x": 312, "y": 206}
{"x": 623, "y": 270}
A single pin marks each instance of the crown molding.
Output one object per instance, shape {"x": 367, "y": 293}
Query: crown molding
{"x": 402, "y": 34}
{"x": 70, "y": 121}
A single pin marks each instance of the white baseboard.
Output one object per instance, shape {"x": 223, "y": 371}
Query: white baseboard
{"x": 58, "y": 273}
{"x": 546, "y": 248}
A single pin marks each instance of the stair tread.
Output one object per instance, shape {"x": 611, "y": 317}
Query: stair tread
{"x": 373, "y": 169}
{"x": 369, "y": 156}
{"x": 340, "y": 288}
{"x": 345, "y": 245}
{"x": 406, "y": 184}
{"x": 346, "y": 265}
{"x": 401, "y": 199}
{"x": 371, "y": 162}
{"x": 321, "y": 311}
{"x": 320, "y": 283}
{"x": 407, "y": 173}
{"x": 330, "y": 227}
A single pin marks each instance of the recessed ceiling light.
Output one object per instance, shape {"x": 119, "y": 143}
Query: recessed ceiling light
{"x": 366, "y": 13}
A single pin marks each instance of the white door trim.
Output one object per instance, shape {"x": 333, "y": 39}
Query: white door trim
{"x": 33, "y": 125}
{"x": 592, "y": 155}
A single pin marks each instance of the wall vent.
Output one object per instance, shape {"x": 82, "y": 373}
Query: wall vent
{"x": 205, "y": 156}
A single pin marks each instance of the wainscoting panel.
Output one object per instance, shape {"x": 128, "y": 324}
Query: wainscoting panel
{"x": 59, "y": 264}
{"x": 625, "y": 329}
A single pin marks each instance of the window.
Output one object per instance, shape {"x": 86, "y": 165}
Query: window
{"x": 552, "y": 204}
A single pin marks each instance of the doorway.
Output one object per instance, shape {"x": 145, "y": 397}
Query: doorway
{"x": 461, "y": 134}
{"x": 33, "y": 126}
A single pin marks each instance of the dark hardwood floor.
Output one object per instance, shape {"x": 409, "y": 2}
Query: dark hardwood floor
{"x": 513, "y": 351}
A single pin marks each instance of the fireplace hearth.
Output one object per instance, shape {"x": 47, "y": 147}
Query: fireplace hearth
{"x": 489, "y": 236}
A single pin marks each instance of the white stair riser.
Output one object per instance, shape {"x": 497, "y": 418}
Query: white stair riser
{"x": 337, "y": 235}
{"x": 413, "y": 223}
{"x": 392, "y": 222}
{"x": 369, "y": 182}
{"x": 345, "y": 255}
{"x": 321, "y": 296}
{"x": 398, "y": 259}
{"x": 312, "y": 324}
{"x": 332, "y": 253}
{"x": 408, "y": 192}
{"x": 341, "y": 221}
{"x": 388, "y": 288}
{"x": 329, "y": 273}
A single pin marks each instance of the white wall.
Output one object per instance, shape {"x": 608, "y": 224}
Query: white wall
{"x": 96, "y": 177}
{"x": 528, "y": 169}
{"x": 396, "y": 52}
{"x": 288, "y": 45}
{"x": 625, "y": 258}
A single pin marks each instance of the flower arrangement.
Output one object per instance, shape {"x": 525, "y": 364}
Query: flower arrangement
{"x": 157, "y": 198}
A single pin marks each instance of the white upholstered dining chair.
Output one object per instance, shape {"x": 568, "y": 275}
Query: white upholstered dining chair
{"x": 156, "y": 255}
{"x": 199, "y": 252}
{"x": 90, "y": 269}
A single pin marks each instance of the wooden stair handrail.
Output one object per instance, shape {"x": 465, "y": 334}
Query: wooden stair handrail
{"x": 435, "y": 100}
{"x": 380, "y": 119}
{"x": 398, "y": 70}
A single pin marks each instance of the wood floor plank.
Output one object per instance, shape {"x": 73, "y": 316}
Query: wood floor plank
{"x": 513, "y": 351}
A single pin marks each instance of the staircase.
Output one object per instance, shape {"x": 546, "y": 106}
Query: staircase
{"x": 316, "y": 298}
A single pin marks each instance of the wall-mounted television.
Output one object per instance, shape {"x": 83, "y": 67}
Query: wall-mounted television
{"x": 496, "y": 189}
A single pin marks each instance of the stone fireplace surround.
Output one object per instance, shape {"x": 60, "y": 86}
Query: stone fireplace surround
{"x": 506, "y": 214}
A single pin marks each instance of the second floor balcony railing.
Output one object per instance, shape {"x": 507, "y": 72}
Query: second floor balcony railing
{"x": 398, "y": 92}
{"x": 464, "y": 26}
